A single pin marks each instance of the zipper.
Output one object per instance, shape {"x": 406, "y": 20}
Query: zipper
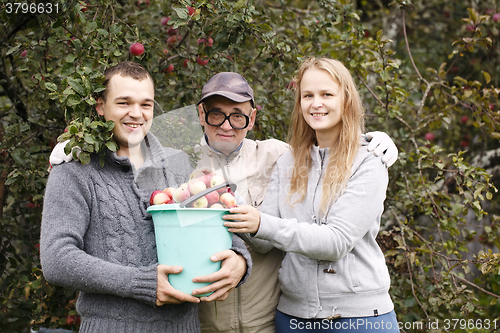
{"x": 238, "y": 294}
{"x": 320, "y": 172}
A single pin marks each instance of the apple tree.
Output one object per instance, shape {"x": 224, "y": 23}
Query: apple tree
{"x": 427, "y": 72}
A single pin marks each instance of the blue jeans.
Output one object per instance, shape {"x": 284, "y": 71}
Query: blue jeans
{"x": 381, "y": 324}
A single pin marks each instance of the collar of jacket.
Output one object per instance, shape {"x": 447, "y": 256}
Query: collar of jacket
{"x": 211, "y": 151}
{"x": 152, "y": 152}
{"x": 321, "y": 154}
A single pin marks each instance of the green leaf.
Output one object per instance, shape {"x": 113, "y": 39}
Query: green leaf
{"x": 88, "y": 138}
{"x": 70, "y": 58}
{"x": 51, "y": 86}
{"x": 84, "y": 157}
{"x": 73, "y": 100}
{"x": 103, "y": 32}
{"x": 111, "y": 145}
{"x": 487, "y": 77}
{"x": 73, "y": 129}
{"x": 13, "y": 49}
{"x": 182, "y": 13}
{"x": 237, "y": 6}
{"x": 77, "y": 86}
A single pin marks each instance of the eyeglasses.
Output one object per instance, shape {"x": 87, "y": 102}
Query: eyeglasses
{"x": 217, "y": 118}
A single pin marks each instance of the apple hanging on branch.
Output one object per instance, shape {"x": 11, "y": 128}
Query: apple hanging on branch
{"x": 136, "y": 49}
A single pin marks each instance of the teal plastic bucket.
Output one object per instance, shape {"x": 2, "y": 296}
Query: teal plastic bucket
{"x": 188, "y": 237}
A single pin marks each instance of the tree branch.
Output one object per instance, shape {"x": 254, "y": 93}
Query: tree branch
{"x": 13, "y": 96}
{"x": 475, "y": 285}
{"x": 24, "y": 19}
{"x": 408, "y": 49}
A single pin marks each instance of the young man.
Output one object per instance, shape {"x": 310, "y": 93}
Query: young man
{"x": 97, "y": 237}
{"x": 227, "y": 112}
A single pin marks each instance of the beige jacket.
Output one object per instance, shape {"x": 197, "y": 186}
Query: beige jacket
{"x": 252, "y": 306}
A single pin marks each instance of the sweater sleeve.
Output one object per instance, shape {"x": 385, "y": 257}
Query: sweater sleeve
{"x": 65, "y": 262}
{"x": 347, "y": 223}
{"x": 240, "y": 248}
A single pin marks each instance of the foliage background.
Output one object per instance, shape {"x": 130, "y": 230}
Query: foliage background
{"x": 428, "y": 73}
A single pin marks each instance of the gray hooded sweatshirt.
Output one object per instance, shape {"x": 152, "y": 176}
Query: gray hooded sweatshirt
{"x": 333, "y": 266}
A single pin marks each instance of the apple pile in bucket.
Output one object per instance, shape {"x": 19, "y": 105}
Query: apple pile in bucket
{"x": 198, "y": 181}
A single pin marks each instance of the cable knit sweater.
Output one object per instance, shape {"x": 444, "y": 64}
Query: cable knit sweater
{"x": 98, "y": 238}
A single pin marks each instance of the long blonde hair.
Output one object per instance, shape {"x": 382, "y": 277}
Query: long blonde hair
{"x": 302, "y": 137}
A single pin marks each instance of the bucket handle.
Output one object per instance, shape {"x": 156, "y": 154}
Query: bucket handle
{"x": 198, "y": 195}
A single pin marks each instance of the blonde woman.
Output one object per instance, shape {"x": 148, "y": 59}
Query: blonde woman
{"x": 323, "y": 208}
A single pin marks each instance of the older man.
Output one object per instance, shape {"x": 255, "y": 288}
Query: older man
{"x": 227, "y": 112}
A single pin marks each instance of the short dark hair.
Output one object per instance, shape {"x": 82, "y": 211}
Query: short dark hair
{"x": 126, "y": 69}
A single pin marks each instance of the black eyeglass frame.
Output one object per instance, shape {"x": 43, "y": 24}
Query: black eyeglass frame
{"x": 226, "y": 117}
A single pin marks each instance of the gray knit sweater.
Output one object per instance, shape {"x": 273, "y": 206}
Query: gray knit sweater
{"x": 97, "y": 238}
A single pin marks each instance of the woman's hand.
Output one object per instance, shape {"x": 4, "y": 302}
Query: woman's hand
{"x": 243, "y": 219}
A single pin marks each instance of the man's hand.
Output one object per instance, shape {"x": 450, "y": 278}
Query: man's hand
{"x": 226, "y": 279}
{"x": 381, "y": 143}
{"x": 165, "y": 293}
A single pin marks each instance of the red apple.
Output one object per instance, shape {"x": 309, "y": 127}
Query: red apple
{"x": 190, "y": 10}
{"x": 24, "y": 53}
{"x": 169, "y": 191}
{"x": 212, "y": 197}
{"x": 185, "y": 63}
{"x": 169, "y": 69}
{"x": 151, "y": 202}
{"x": 142, "y": 3}
{"x": 196, "y": 174}
{"x": 464, "y": 143}
{"x": 201, "y": 61}
{"x": 291, "y": 85}
{"x": 217, "y": 180}
{"x": 172, "y": 40}
{"x": 496, "y": 17}
{"x": 207, "y": 179}
{"x": 207, "y": 41}
{"x": 471, "y": 27}
{"x": 227, "y": 200}
{"x": 161, "y": 198}
{"x": 464, "y": 119}
{"x": 70, "y": 320}
{"x": 429, "y": 136}
{"x": 196, "y": 186}
{"x": 182, "y": 193}
{"x": 171, "y": 31}
{"x": 164, "y": 20}
{"x": 136, "y": 49}
{"x": 171, "y": 201}
{"x": 200, "y": 203}
{"x": 217, "y": 206}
